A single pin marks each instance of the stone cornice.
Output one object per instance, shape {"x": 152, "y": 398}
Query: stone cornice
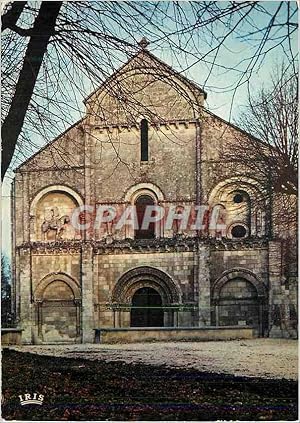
{"x": 134, "y": 246}
{"x": 62, "y": 247}
{"x": 52, "y": 169}
{"x": 122, "y": 126}
{"x": 245, "y": 244}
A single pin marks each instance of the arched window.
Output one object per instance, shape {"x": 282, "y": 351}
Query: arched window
{"x": 144, "y": 140}
{"x": 141, "y": 203}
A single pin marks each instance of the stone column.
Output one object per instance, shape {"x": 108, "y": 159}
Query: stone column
{"x": 87, "y": 315}
{"x": 275, "y": 290}
{"x": 217, "y": 314}
{"x": 27, "y": 321}
{"x": 125, "y": 318}
{"x": 203, "y": 276}
{"x": 26, "y": 202}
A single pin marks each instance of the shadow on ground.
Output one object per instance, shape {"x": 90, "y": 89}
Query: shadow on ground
{"x": 78, "y": 389}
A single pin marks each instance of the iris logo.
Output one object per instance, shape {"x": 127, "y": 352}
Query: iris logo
{"x": 31, "y": 399}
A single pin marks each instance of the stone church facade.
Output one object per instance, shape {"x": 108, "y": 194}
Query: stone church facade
{"x": 146, "y": 138}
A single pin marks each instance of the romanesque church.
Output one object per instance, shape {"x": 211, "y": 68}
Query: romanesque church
{"x": 146, "y": 139}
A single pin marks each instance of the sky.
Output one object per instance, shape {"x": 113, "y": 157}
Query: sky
{"x": 219, "y": 81}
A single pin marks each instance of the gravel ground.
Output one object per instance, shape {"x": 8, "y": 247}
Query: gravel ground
{"x": 267, "y": 358}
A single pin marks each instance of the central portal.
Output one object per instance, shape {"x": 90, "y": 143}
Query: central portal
{"x": 146, "y": 309}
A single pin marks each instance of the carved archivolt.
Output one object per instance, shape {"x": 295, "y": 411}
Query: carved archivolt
{"x": 252, "y": 187}
{"x": 52, "y": 188}
{"x": 241, "y": 198}
{"x": 59, "y": 276}
{"x": 235, "y": 274}
{"x": 146, "y": 276}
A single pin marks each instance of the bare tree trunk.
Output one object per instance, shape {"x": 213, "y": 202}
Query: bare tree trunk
{"x": 10, "y": 18}
{"x": 42, "y": 30}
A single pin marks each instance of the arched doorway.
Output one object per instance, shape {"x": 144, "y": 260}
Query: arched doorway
{"x": 146, "y": 309}
{"x": 141, "y": 204}
{"x": 127, "y": 295}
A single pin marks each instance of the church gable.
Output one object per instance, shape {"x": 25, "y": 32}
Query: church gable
{"x": 63, "y": 152}
{"x": 145, "y": 87}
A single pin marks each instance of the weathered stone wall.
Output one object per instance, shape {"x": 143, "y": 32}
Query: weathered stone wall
{"x": 217, "y": 137}
{"x": 238, "y": 304}
{"x": 61, "y": 162}
{"x": 282, "y": 298}
{"x": 65, "y": 152}
{"x": 111, "y": 336}
{"x": 32, "y": 270}
{"x": 255, "y": 260}
{"x": 43, "y": 265}
{"x": 58, "y": 313}
{"x": 11, "y": 336}
{"x": 171, "y": 152}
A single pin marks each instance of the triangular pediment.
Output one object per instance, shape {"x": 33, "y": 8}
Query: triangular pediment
{"x": 144, "y": 87}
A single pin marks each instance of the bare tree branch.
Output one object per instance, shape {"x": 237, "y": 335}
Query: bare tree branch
{"x": 90, "y": 40}
{"x": 42, "y": 31}
{"x": 10, "y": 18}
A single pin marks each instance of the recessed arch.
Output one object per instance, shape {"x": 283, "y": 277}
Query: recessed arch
{"x": 50, "y": 213}
{"x": 57, "y": 276}
{"x": 146, "y": 276}
{"x": 55, "y": 188}
{"x": 237, "y": 183}
{"x": 236, "y": 274}
{"x": 57, "y": 308}
{"x": 239, "y": 298}
{"x": 143, "y": 188}
{"x": 241, "y": 196}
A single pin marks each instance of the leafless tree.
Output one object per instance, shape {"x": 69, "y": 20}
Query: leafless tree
{"x": 269, "y": 150}
{"x": 56, "y": 52}
{"x": 272, "y": 117}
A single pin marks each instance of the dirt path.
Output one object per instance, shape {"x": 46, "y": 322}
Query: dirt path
{"x": 268, "y": 358}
